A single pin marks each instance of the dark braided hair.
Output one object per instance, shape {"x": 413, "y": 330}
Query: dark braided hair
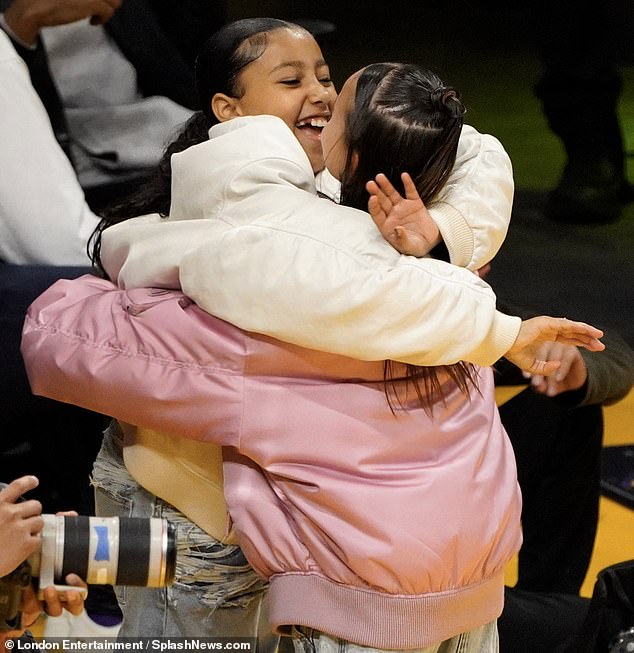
{"x": 405, "y": 120}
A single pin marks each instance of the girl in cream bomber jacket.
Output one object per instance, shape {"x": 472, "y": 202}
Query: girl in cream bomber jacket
{"x": 246, "y": 228}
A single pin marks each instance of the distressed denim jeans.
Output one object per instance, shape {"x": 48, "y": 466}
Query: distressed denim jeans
{"x": 216, "y": 593}
{"x": 480, "y": 640}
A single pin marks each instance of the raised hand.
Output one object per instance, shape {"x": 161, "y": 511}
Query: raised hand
{"x": 527, "y": 353}
{"x": 404, "y": 222}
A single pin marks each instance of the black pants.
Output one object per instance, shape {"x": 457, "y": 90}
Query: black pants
{"x": 538, "y": 622}
{"x": 558, "y": 458}
{"x": 558, "y": 451}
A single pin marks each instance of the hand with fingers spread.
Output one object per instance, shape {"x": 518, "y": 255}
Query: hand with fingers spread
{"x": 527, "y": 353}
{"x": 404, "y": 222}
{"x": 25, "y": 18}
{"x": 571, "y": 375}
{"x": 20, "y": 524}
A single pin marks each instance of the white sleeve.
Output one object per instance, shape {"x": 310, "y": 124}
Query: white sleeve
{"x": 299, "y": 290}
{"x": 44, "y": 218}
{"x": 284, "y": 263}
{"x": 473, "y": 211}
{"x": 147, "y": 251}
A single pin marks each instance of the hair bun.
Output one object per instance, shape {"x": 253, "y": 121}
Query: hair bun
{"x": 446, "y": 99}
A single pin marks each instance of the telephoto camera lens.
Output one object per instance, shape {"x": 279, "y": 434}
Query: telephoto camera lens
{"x": 108, "y": 550}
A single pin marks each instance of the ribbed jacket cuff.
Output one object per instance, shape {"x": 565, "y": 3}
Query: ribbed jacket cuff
{"x": 456, "y": 233}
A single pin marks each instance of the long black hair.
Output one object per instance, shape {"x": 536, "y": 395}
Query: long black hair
{"x": 220, "y": 60}
{"x": 405, "y": 119}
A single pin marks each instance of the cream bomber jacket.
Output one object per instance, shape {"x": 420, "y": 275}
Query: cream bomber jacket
{"x": 473, "y": 209}
{"x": 249, "y": 240}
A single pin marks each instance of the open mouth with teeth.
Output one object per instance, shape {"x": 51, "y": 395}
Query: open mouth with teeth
{"x": 312, "y": 126}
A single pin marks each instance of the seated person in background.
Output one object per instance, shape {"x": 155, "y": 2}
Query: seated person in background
{"x": 114, "y": 93}
{"x": 558, "y": 453}
{"x": 44, "y": 217}
{"x": 556, "y": 429}
{"x": 45, "y": 224}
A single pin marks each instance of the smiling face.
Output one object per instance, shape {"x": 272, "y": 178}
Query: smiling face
{"x": 289, "y": 80}
{"x": 333, "y": 141}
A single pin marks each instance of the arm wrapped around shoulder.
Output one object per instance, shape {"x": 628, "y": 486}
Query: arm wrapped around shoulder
{"x": 88, "y": 343}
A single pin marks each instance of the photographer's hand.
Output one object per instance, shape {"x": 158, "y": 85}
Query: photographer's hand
{"x": 72, "y": 600}
{"x": 54, "y": 603}
{"x": 20, "y": 524}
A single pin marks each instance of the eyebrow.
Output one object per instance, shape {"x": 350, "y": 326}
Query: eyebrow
{"x": 297, "y": 64}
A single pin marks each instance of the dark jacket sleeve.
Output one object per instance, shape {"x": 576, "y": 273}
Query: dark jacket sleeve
{"x": 610, "y": 372}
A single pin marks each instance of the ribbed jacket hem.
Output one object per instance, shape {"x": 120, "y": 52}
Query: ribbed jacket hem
{"x": 380, "y": 620}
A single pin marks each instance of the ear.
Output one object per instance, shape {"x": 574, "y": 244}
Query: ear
{"x": 225, "y": 107}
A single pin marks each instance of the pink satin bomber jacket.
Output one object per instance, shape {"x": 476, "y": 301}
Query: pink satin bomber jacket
{"x": 387, "y": 528}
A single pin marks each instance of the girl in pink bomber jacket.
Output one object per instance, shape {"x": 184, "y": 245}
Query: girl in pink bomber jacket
{"x": 382, "y": 521}
{"x": 386, "y": 526}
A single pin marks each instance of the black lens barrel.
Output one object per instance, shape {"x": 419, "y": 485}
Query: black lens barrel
{"x": 134, "y": 551}
{"x": 76, "y": 547}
